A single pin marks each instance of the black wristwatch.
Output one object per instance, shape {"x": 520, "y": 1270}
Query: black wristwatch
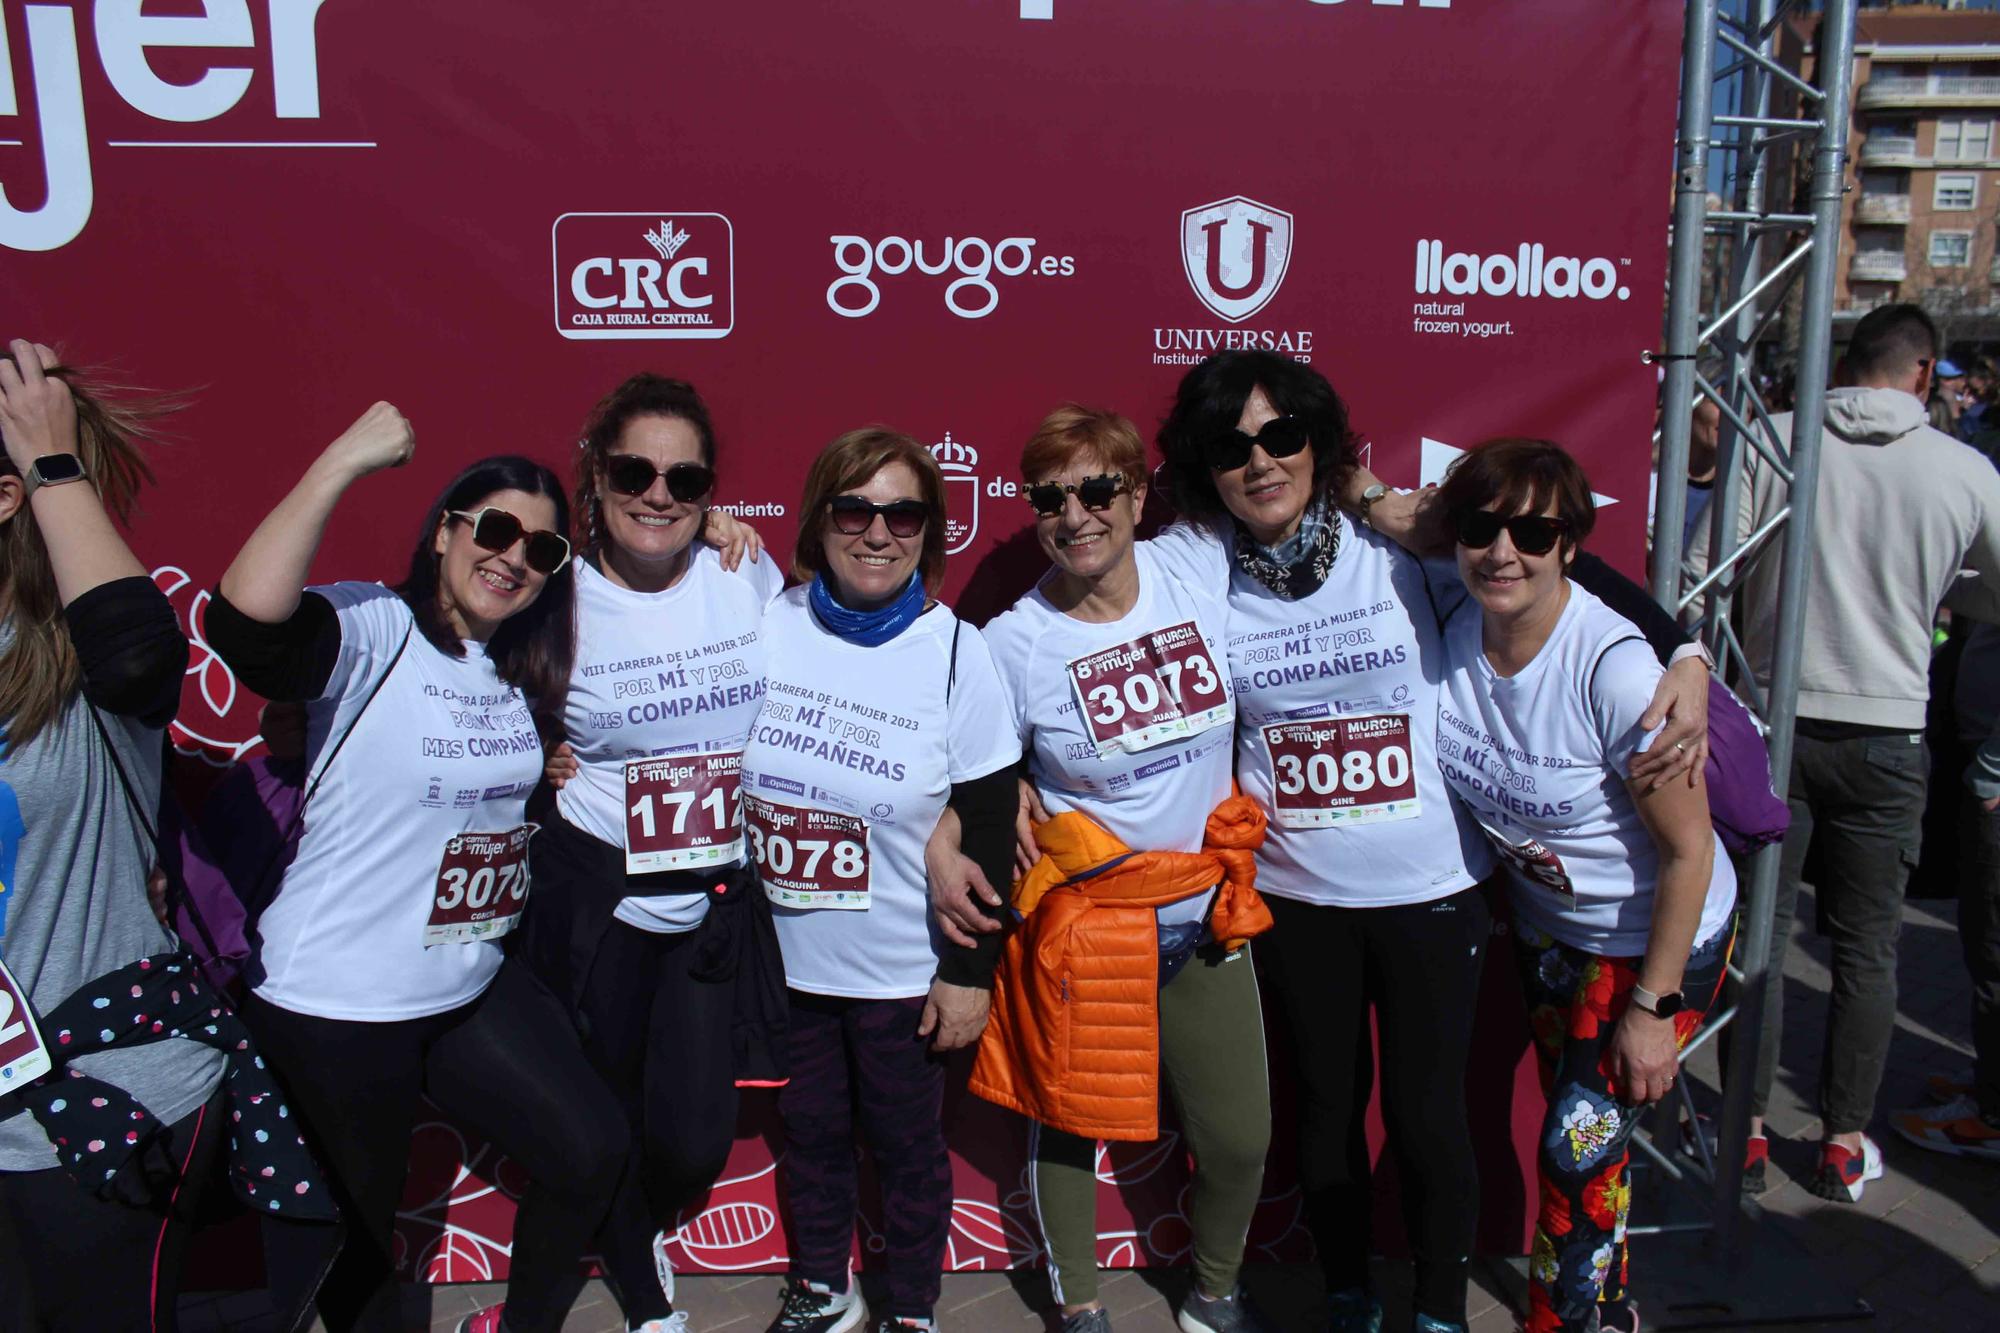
{"x": 50, "y": 470}
{"x": 1660, "y": 1006}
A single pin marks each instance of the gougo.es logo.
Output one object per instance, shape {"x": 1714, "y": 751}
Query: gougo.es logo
{"x": 973, "y": 294}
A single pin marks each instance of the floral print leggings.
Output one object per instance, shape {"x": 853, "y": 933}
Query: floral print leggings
{"x": 1575, "y": 999}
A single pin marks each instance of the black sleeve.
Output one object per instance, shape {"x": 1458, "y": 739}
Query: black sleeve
{"x": 986, "y": 808}
{"x": 291, "y": 661}
{"x": 1631, "y": 601}
{"x": 131, "y": 649}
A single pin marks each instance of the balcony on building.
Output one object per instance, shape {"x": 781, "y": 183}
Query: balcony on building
{"x": 1878, "y": 266}
{"x": 1933, "y": 90}
{"x": 1891, "y": 150}
{"x": 1889, "y": 210}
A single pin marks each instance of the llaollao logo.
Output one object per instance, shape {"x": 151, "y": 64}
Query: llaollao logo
{"x": 1236, "y": 251}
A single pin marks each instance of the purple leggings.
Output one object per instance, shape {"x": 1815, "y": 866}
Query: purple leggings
{"x": 865, "y": 1056}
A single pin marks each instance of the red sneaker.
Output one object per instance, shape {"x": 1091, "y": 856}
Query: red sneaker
{"x": 483, "y": 1321}
{"x": 1844, "y": 1173}
{"x": 1756, "y": 1153}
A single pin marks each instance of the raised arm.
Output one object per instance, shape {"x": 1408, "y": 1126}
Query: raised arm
{"x": 266, "y": 578}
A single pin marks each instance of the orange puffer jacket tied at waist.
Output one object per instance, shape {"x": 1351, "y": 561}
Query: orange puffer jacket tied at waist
{"x": 1074, "y": 1036}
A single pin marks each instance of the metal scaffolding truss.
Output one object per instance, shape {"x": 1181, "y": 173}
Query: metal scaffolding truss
{"x": 1774, "y": 131}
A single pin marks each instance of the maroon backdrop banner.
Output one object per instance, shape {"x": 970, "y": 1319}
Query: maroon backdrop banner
{"x": 946, "y": 215}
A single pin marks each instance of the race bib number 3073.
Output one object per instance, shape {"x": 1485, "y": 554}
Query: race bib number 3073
{"x": 1342, "y": 770}
{"x": 682, "y": 812}
{"x": 23, "y": 1058}
{"x": 482, "y": 885}
{"x": 1156, "y": 688}
{"x": 809, "y": 858}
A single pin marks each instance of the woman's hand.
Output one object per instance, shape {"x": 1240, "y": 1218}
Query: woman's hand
{"x": 954, "y": 1016}
{"x": 1414, "y": 520}
{"x": 1026, "y": 850}
{"x": 955, "y": 880}
{"x": 731, "y": 537}
{"x": 560, "y": 765}
{"x": 1642, "y": 1061}
{"x": 380, "y": 439}
{"x": 1681, "y": 702}
{"x": 37, "y": 414}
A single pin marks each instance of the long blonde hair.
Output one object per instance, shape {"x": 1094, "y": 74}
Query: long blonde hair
{"x": 39, "y": 671}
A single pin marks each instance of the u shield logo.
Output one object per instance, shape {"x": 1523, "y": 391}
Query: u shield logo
{"x": 1236, "y": 251}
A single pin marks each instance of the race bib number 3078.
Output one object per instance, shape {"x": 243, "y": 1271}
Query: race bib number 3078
{"x": 482, "y": 885}
{"x": 1342, "y": 770}
{"x": 1156, "y": 688}
{"x": 23, "y": 1058}
{"x": 808, "y": 858}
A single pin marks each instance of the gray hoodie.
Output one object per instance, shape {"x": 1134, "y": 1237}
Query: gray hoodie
{"x": 1908, "y": 519}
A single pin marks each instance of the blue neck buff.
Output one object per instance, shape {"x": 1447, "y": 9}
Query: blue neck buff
{"x": 867, "y": 628}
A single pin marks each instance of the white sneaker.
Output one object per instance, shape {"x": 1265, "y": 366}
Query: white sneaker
{"x": 663, "y": 1266}
{"x": 677, "y": 1322}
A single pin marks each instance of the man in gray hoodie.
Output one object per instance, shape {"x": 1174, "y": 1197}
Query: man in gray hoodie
{"x": 1907, "y": 519}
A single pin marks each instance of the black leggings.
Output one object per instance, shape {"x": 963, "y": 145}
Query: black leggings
{"x": 1418, "y": 965}
{"x": 661, "y": 1039}
{"x": 509, "y": 1066}
{"x": 101, "y": 1265}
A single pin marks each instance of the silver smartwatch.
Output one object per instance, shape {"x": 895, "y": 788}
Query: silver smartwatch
{"x": 51, "y": 470}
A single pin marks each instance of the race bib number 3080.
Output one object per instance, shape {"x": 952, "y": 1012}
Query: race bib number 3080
{"x": 809, "y": 858}
{"x": 482, "y": 885}
{"x": 23, "y": 1058}
{"x": 1342, "y": 770}
{"x": 1159, "y": 687}
{"x": 682, "y": 812}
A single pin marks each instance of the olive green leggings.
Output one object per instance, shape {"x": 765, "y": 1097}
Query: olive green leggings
{"x": 1212, "y": 1058}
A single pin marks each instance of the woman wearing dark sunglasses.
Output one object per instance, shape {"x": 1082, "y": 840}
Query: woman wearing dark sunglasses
{"x": 1116, "y": 681}
{"x": 1621, "y": 897}
{"x": 881, "y": 710}
{"x": 646, "y": 916}
{"x": 378, "y": 976}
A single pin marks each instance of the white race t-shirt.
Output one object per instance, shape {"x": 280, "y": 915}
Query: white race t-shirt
{"x": 1130, "y": 721}
{"x": 849, "y": 765}
{"x": 1540, "y": 758}
{"x": 445, "y": 749}
{"x": 1344, "y": 681}
{"x": 676, "y": 672}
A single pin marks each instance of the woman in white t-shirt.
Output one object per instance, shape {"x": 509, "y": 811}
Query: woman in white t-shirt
{"x": 378, "y": 976}
{"x": 1622, "y": 900}
{"x": 881, "y": 709}
{"x": 640, "y": 868}
{"x": 1114, "y": 668}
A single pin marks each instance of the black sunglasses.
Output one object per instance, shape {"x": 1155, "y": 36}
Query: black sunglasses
{"x": 629, "y": 474}
{"x": 1533, "y": 534}
{"x": 1281, "y": 437}
{"x": 853, "y": 515}
{"x": 498, "y": 530}
{"x": 1093, "y": 493}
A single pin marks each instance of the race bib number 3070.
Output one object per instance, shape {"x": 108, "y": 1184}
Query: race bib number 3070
{"x": 809, "y": 858}
{"x": 482, "y": 885}
{"x": 1342, "y": 770}
{"x": 23, "y": 1058}
{"x": 682, "y": 812}
{"x": 1156, "y": 688}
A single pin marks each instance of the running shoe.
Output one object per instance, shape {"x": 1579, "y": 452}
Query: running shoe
{"x": 1087, "y": 1321}
{"x": 1756, "y": 1155}
{"x": 1956, "y": 1128}
{"x": 482, "y": 1321}
{"x": 1844, "y": 1173}
{"x": 1354, "y": 1310}
{"x": 808, "y": 1307}
{"x": 1942, "y": 1088}
{"x": 677, "y": 1322}
{"x": 1424, "y": 1323}
{"x": 1227, "y": 1314}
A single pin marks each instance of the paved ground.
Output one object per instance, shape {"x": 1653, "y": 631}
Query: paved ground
{"x": 1921, "y": 1251}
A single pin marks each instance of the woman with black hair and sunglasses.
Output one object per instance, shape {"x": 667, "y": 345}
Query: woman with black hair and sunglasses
{"x": 647, "y": 921}
{"x": 378, "y": 975}
{"x": 1622, "y": 899}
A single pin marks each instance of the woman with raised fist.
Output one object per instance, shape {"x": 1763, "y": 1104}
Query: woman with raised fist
{"x": 378, "y": 975}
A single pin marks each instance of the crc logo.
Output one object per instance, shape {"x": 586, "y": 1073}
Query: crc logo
{"x": 290, "y": 70}
{"x": 971, "y": 295}
{"x": 1236, "y": 251}
{"x": 644, "y": 275}
{"x": 961, "y": 492}
{"x": 1528, "y": 271}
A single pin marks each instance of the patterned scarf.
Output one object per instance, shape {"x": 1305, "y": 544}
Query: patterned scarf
{"x": 1295, "y": 567}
